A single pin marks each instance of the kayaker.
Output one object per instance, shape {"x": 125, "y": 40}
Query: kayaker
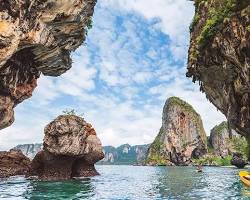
{"x": 199, "y": 168}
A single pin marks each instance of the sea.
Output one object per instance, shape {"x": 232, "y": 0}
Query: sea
{"x": 134, "y": 183}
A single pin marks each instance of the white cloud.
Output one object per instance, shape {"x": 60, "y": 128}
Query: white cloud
{"x": 174, "y": 15}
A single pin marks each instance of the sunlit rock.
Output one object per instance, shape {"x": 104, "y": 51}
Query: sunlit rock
{"x": 181, "y": 137}
{"x": 37, "y": 37}
{"x": 70, "y": 149}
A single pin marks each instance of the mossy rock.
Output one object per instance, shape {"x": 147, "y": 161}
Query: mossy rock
{"x": 219, "y": 128}
{"x": 218, "y": 11}
{"x": 211, "y": 159}
{"x": 183, "y": 104}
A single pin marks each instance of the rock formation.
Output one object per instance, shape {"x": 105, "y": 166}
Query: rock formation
{"x": 70, "y": 149}
{"x": 29, "y": 150}
{"x": 13, "y": 163}
{"x": 181, "y": 136}
{"x": 37, "y": 37}
{"x": 222, "y": 140}
{"x": 219, "y": 57}
{"x": 238, "y": 160}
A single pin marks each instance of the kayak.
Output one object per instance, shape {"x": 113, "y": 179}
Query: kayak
{"x": 243, "y": 178}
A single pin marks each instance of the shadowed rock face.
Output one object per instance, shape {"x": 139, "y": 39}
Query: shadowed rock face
{"x": 13, "y": 163}
{"x": 37, "y": 37}
{"x": 70, "y": 149}
{"x": 181, "y": 136}
{"x": 219, "y": 57}
{"x": 238, "y": 160}
{"x": 221, "y": 139}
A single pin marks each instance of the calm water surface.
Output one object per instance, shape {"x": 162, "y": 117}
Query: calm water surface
{"x": 134, "y": 183}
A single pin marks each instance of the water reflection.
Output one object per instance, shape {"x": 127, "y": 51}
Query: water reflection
{"x": 245, "y": 192}
{"x": 176, "y": 182}
{"x": 185, "y": 183}
{"x": 75, "y": 189}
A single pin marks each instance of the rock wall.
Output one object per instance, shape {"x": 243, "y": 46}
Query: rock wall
{"x": 181, "y": 136}
{"x": 221, "y": 140}
{"x": 70, "y": 149}
{"x": 37, "y": 37}
{"x": 219, "y": 57}
{"x": 13, "y": 163}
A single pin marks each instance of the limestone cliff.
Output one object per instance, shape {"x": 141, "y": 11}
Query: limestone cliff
{"x": 37, "y": 37}
{"x": 222, "y": 140}
{"x": 181, "y": 136}
{"x": 70, "y": 149}
{"x": 219, "y": 57}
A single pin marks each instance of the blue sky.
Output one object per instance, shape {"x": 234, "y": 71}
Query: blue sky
{"x": 133, "y": 59}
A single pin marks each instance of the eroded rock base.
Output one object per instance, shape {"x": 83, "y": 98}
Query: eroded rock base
{"x": 13, "y": 163}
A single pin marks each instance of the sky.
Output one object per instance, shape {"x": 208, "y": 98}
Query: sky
{"x": 134, "y": 58}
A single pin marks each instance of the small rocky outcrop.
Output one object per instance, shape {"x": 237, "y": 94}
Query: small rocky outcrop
{"x": 219, "y": 57}
{"x": 222, "y": 140}
{"x": 238, "y": 160}
{"x": 13, "y": 163}
{"x": 181, "y": 137}
{"x": 37, "y": 37}
{"x": 70, "y": 149}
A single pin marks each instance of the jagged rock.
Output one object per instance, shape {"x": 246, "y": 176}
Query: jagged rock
{"x": 13, "y": 163}
{"x": 221, "y": 140}
{"x": 219, "y": 57}
{"x": 37, "y": 37}
{"x": 181, "y": 136}
{"x": 238, "y": 160}
{"x": 70, "y": 148}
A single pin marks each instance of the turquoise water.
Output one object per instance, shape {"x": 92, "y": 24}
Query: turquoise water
{"x": 134, "y": 183}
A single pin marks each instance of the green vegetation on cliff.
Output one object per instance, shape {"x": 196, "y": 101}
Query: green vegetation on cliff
{"x": 184, "y": 105}
{"x": 155, "y": 148}
{"x": 220, "y": 10}
{"x": 182, "y": 128}
{"x": 221, "y": 153}
{"x": 211, "y": 22}
{"x": 157, "y": 144}
{"x": 240, "y": 145}
{"x": 72, "y": 112}
{"x": 213, "y": 160}
{"x": 219, "y": 128}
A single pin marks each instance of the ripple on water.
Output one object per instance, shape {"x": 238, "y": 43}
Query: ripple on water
{"x": 134, "y": 183}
